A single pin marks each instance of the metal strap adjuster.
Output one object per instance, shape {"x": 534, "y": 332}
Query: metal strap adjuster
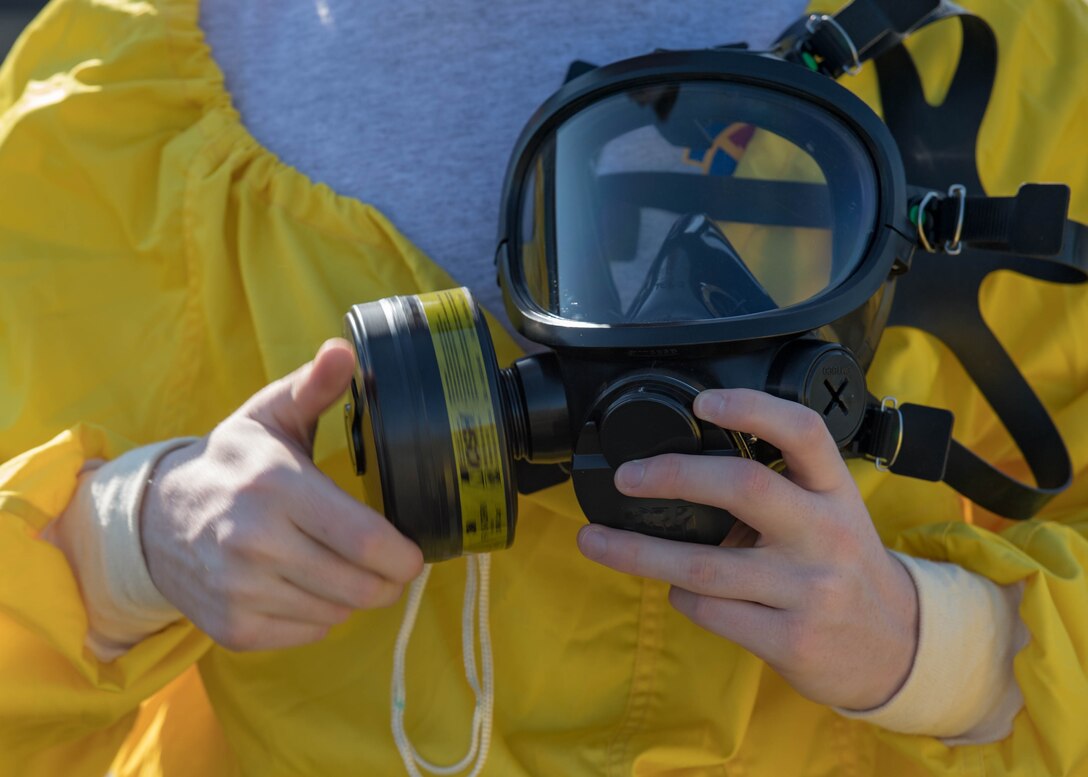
{"x": 884, "y": 464}
{"x": 815, "y": 21}
{"x": 922, "y": 237}
{"x": 953, "y": 246}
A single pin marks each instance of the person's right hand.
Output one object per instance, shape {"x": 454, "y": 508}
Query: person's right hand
{"x": 250, "y": 541}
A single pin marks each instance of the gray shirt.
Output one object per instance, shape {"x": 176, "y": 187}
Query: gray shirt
{"x": 414, "y": 106}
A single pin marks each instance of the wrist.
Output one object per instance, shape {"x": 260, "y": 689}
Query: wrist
{"x": 158, "y": 502}
{"x": 892, "y": 662}
{"x": 100, "y": 536}
{"x": 954, "y": 690}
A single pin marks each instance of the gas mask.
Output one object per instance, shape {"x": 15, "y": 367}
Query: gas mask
{"x": 705, "y": 219}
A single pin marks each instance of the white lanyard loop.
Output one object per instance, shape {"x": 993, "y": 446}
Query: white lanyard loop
{"x": 484, "y": 692}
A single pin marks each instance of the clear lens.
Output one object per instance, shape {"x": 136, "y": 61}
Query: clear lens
{"x": 692, "y": 201}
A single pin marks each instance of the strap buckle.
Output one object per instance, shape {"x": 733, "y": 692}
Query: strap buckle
{"x": 954, "y": 246}
{"x": 923, "y": 238}
{"x": 881, "y": 463}
{"x": 1031, "y": 224}
{"x": 816, "y": 21}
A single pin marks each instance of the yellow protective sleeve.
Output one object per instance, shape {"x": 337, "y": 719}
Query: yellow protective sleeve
{"x": 72, "y": 309}
{"x": 62, "y": 711}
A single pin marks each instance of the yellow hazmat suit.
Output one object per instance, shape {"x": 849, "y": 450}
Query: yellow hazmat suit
{"x": 158, "y": 266}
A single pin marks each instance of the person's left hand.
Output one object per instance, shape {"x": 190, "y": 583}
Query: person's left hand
{"x": 817, "y": 597}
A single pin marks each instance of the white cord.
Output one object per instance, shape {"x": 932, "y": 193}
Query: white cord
{"x": 485, "y": 694}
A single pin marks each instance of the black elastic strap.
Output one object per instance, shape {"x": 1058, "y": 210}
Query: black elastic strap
{"x": 1032, "y": 223}
{"x": 932, "y": 297}
{"x": 1074, "y": 253}
{"x": 940, "y": 293}
{"x": 916, "y": 441}
{"x": 938, "y": 142}
{"x": 992, "y": 489}
{"x": 927, "y": 437}
{"x": 910, "y": 440}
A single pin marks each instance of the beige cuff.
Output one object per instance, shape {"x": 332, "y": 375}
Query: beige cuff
{"x": 961, "y": 687}
{"x": 99, "y": 532}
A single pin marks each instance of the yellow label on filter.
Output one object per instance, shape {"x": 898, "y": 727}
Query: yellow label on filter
{"x": 473, "y": 430}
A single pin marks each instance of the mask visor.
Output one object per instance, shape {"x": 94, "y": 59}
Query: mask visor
{"x": 740, "y": 200}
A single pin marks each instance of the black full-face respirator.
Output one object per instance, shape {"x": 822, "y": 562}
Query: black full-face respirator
{"x": 714, "y": 219}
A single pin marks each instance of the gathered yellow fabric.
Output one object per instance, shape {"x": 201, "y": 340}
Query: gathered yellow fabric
{"x": 158, "y": 266}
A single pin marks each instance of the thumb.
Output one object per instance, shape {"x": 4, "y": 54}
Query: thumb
{"x": 292, "y": 404}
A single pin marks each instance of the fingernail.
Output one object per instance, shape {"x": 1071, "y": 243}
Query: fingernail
{"x": 631, "y": 473}
{"x": 592, "y": 542}
{"x": 709, "y": 404}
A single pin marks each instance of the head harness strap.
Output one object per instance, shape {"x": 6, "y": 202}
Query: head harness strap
{"x": 940, "y": 294}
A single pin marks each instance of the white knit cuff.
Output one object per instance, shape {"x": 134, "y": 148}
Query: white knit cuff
{"x": 961, "y": 687}
{"x": 99, "y": 532}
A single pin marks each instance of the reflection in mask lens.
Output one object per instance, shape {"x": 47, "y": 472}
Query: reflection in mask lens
{"x": 788, "y": 189}
{"x": 697, "y": 275}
